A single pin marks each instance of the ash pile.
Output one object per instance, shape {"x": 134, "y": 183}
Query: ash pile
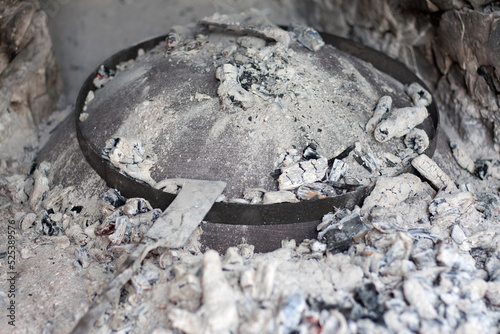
{"x": 420, "y": 255}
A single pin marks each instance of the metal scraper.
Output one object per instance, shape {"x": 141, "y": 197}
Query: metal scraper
{"x": 171, "y": 230}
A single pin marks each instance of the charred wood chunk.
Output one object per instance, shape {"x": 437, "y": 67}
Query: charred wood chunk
{"x": 339, "y": 236}
{"x": 419, "y": 95}
{"x": 383, "y": 107}
{"x": 400, "y": 122}
{"x": 302, "y": 173}
{"x": 114, "y": 198}
{"x": 368, "y": 296}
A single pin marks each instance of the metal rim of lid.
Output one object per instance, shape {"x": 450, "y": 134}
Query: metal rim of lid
{"x": 249, "y": 214}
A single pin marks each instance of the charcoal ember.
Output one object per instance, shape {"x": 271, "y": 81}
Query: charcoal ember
{"x": 185, "y": 321}
{"x": 492, "y": 266}
{"x": 49, "y": 227}
{"x": 77, "y": 235}
{"x": 232, "y": 259}
{"x": 481, "y": 169}
{"x": 288, "y": 158}
{"x": 57, "y": 197}
{"x": 230, "y": 90}
{"x": 424, "y": 258}
{"x": 458, "y": 235}
{"x": 302, "y": 173}
{"x": 417, "y": 140}
{"x": 28, "y": 221}
{"x": 315, "y": 191}
{"x": 27, "y": 253}
{"x": 265, "y": 276}
{"x": 338, "y": 171}
{"x": 307, "y": 36}
{"x": 423, "y": 234}
{"x": 120, "y": 229}
{"x": 450, "y": 208}
{"x": 485, "y": 168}
{"x": 383, "y": 107}
{"x": 432, "y": 172}
{"x": 126, "y": 229}
{"x": 186, "y": 292}
{"x": 134, "y": 206}
{"x": 114, "y": 198}
{"x": 392, "y": 160}
{"x": 406, "y": 156}
{"x": 448, "y": 256}
{"x": 344, "y": 154}
{"x": 272, "y": 197}
{"x": 254, "y": 195}
{"x": 400, "y": 321}
{"x": 365, "y": 159}
{"x": 172, "y": 40}
{"x": 493, "y": 293}
{"x": 104, "y": 75}
{"x": 395, "y": 264}
{"x": 338, "y": 236}
{"x": 391, "y": 191}
{"x": 399, "y": 122}
{"x": 332, "y": 321}
{"x": 419, "y": 95}
{"x": 41, "y": 186}
{"x": 128, "y": 156}
{"x": 462, "y": 158}
{"x": 489, "y": 205}
{"x": 368, "y": 296}
{"x": 310, "y": 152}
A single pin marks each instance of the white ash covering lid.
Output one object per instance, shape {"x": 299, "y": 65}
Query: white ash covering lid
{"x": 227, "y": 107}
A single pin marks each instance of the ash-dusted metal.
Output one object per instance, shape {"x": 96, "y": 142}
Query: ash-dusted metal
{"x": 262, "y": 225}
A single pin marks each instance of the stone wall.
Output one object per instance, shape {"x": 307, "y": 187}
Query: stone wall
{"x": 29, "y": 77}
{"x": 453, "y": 45}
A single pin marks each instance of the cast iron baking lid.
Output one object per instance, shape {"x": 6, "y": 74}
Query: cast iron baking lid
{"x": 249, "y": 214}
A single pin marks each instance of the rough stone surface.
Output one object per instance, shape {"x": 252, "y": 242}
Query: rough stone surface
{"x": 29, "y": 77}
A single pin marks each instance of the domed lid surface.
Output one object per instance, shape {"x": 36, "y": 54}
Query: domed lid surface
{"x": 231, "y": 107}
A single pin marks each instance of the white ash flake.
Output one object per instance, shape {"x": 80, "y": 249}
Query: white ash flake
{"x": 302, "y": 173}
{"x": 128, "y": 156}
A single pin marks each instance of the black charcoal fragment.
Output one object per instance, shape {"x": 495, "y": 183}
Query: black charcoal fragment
{"x": 368, "y": 296}
{"x": 316, "y": 190}
{"x": 114, "y": 198}
{"x": 275, "y": 174}
{"x": 339, "y": 236}
{"x": 49, "y": 227}
{"x": 344, "y": 154}
{"x": 307, "y": 36}
{"x": 488, "y": 205}
{"x": 310, "y": 152}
